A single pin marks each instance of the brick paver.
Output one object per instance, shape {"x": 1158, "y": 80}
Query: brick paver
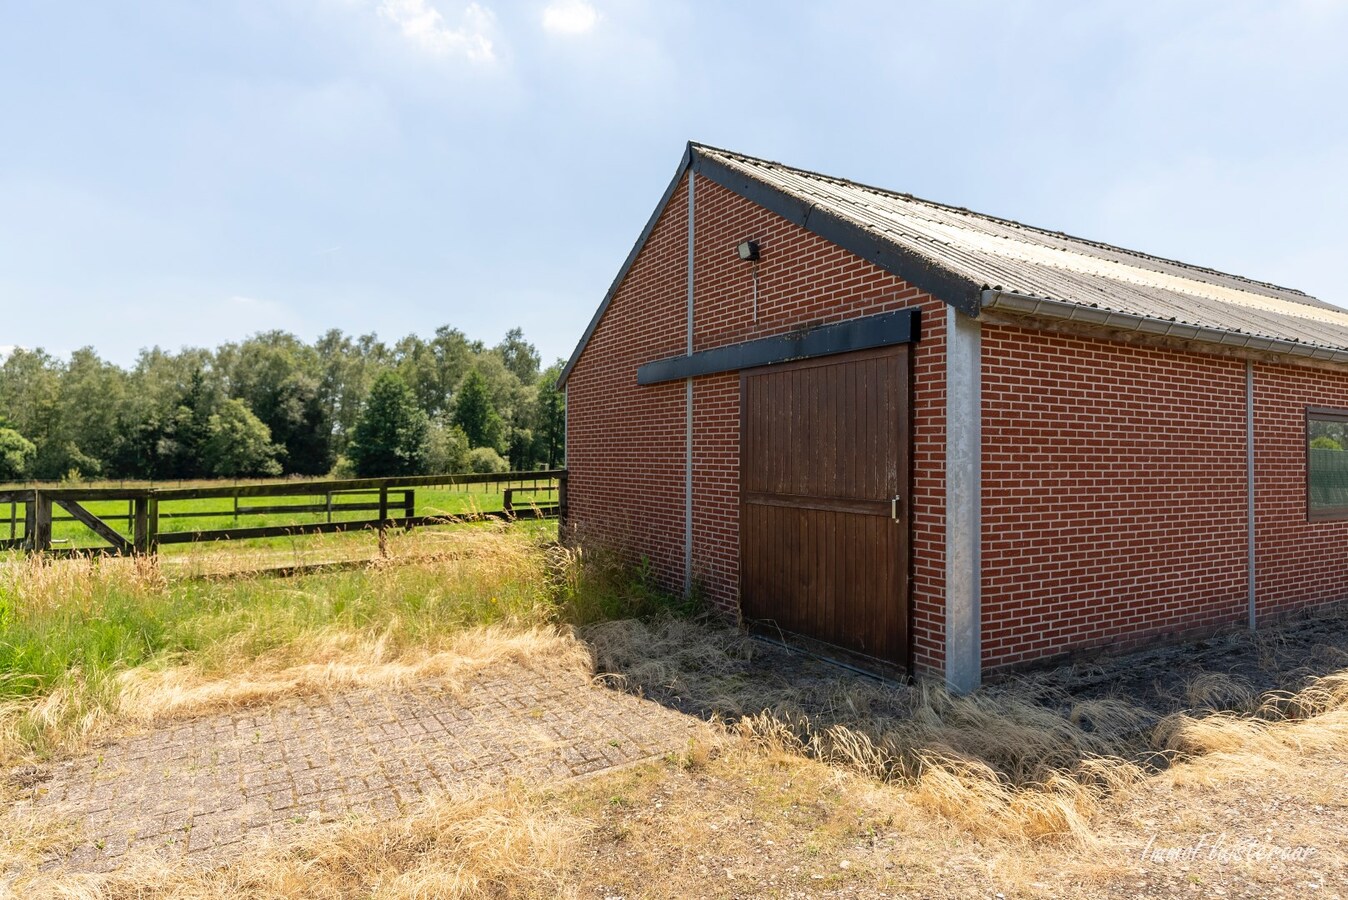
{"x": 205, "y": 786}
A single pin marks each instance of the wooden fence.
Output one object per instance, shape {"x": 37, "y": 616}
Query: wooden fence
{"x": 393, "y": 500}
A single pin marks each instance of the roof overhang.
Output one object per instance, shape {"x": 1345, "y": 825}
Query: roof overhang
{"x": 916, "y": 270}
{"x": 954, "y": 289}
{"x": 1059, "y": 310}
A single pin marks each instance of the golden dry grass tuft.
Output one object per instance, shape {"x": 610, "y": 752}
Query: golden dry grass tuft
{"x": 1014, "y": 761}
{"x": 1020, "y": 760}
{"x": 1218, "y": 690}
{"x": 1313, "y": 718}
{"x": 507, "y": 845}
{"x": 342, "y": 661}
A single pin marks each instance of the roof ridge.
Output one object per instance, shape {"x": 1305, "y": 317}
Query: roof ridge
{"x": 1004, "y": 221}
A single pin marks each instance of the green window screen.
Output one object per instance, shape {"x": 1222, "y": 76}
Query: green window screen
{"x": 1327, "y": 464}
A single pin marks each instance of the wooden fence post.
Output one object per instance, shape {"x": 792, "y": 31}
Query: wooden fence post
{"x": 140, "y": 532}
{"x": 29, "y": 521}
{"x": 409, "y": 506}
{"x": 151, "y": 525}
{"x": 383, "y": 521}
{"x": 508, "y": 502}
{"x": 41, "y": 523}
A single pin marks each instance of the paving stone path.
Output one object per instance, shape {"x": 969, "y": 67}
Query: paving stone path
{"x": 205, "y": 786}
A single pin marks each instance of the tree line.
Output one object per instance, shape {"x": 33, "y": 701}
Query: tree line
{"x": 274, "y": 405}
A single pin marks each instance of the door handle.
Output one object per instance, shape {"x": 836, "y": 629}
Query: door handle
{"x": 894, "y": 507}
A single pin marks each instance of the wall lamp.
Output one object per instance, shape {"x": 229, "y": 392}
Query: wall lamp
{"x": 748, "y": 251}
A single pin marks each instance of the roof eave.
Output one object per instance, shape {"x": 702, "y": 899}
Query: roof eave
{"x": 1061, "y": 310}
{"x": 917, "y": 270}
{"x": 920, "y": 271}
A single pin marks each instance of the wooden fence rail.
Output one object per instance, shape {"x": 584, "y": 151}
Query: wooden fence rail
{"x": 393, "y": 500}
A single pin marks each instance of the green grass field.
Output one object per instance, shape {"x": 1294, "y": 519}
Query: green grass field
{"x": 176, "y": 516}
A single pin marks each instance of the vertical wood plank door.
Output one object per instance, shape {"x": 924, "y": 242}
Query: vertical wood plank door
{"x": 824, "y": 450}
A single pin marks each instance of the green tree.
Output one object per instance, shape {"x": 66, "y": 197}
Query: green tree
{"x": 454, "y": 355}
{"x": 16, "y": 454}
{"x": 446, "y": 448}
{"x": 181, "y": 443}
{"x": 90, "y": 416}
{"x": 93, "y": 395}
{"x": 280, "y": 378}
{"x": 163, "y": 416}
{"x": 486, "y": 461}
{"x": 239, "y": 443}
{"x": 346, "y": 369}
{"x": 30, "y": 397}
{"x": 475, "y": 414}
{"x": 519, "y": 356}
{"x": 550, "y": 427}
{"x": 521, "y": 450}
{"x": 416, "y": 363}
{"x": 391, "y": 437}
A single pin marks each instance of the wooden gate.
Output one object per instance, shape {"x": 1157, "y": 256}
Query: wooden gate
{"x": 824, "y": 458}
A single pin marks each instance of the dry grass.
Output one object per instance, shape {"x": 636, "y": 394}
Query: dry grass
{"x": 1018, "y": 760}
{"x": 1023, "y": 764}
{"x": 742, "y": 818}
{"x": 339, "y": 661}
{"x": 508, "y": 845}
{"x": 1314, "y": 718}
{"x": 1217, "y": 690}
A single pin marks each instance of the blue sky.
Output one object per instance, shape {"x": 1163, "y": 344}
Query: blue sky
{"x": 184, "y": 174}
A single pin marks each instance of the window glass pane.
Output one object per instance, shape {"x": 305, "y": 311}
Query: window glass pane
{"x": 1328, "y": 465}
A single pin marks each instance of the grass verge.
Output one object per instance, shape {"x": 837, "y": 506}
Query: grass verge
{"x": 89, "y": 642}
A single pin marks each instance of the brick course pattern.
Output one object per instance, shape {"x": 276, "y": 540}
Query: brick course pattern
{"x": 626, "y": 444}
{"x": 211, "y": 786}
{"x": 1298, "y": 563}
{"x": 1113, "y": 493}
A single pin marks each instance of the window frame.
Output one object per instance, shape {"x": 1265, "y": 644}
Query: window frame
{"x": 1322, "y": 414}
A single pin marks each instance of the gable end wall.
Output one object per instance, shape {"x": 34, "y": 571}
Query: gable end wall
{"x": 626, "y": 445}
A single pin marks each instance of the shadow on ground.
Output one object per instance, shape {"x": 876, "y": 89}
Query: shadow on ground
{"x": 1025, "y": 727}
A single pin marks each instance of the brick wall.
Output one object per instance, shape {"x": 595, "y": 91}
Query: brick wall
{"x": 1113, "y": 493}
{"x": 1114, "y": 474}
{"x": 625, "y": 444}
{"x": 1297, "y": 563}
{"x": 616, "y": 430}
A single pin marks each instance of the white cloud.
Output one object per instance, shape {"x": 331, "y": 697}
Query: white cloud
{"x": 569, "y": 17}
{"x": 423, "y": 25}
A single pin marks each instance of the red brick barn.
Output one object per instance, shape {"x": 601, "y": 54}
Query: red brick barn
{"x": 951, "y": 443}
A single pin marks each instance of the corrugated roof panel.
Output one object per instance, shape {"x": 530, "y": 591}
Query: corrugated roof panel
{"x": 1021, "y": 259}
